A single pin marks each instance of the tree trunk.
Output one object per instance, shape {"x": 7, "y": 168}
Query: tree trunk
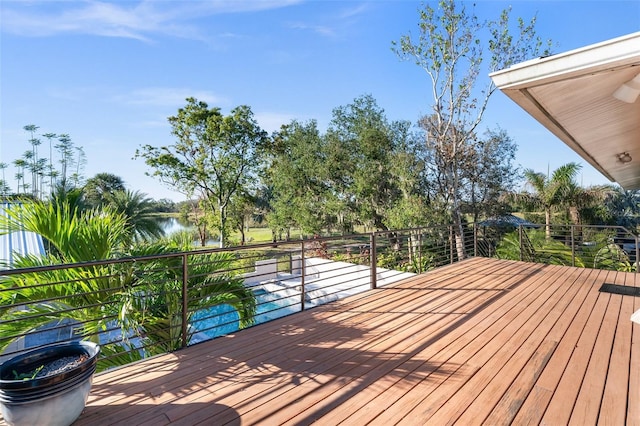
{"x": 223, "y": 223}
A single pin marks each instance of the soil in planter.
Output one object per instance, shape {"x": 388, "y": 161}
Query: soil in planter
{"x": 55, "y": 366}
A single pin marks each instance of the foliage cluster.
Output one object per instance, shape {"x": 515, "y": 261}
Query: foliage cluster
{"x": 142, "y": 299}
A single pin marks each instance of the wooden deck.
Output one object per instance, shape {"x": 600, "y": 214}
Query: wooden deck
{"x": 483, "y": 341}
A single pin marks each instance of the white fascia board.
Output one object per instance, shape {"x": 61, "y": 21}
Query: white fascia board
{"x": 615, "y": 53}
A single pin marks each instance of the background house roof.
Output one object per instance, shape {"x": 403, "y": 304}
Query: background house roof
{"x": 21, "y": 242}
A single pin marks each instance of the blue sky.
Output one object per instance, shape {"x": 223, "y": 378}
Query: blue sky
{"x": 109, "y": 73}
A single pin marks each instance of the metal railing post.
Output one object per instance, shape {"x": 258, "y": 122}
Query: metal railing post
{"x": 451, "y": 243}
{"x": 303, "y": 272}
{"x": 573, "y": 247}
{"x": 420, "y": 251}
{"x": 520, "y": 242}
{"x": 372, "y": 257}
{"x": 185, "y": 299}
{"x": 475, "y": 240}
{"x": 637, "y": 253}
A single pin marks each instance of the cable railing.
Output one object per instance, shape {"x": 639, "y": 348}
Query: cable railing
{"x": 588, "y": 246}
{"x": 142, "y": 306}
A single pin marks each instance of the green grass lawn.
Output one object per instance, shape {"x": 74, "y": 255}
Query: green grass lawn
{"x": 253, "y": 236}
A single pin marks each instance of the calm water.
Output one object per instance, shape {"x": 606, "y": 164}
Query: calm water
{"x": 172, "y": 225}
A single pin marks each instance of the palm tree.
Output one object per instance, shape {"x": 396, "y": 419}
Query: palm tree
{"x": 21, "y": 164}
{"x": 156, "y": 316}
{"x": 142, "y": 299}
{"x": 577, "y": 199}
{"x": 624, "y": 207}
{"x": 87, "y": 292}
{"x": 51, "y": 172}
{"x": 549, "y": 193}
{"x": 138, "y": 210}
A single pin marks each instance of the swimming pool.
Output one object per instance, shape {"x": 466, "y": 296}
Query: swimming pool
{"x": 223, "y": 319}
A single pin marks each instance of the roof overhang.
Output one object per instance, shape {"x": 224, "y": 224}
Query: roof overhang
{"x": 571, "y": 94}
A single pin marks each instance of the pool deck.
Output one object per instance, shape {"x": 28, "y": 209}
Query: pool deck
{"x": 483, "y": 341}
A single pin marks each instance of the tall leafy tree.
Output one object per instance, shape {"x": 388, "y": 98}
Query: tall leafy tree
{"x": 98, "y": 188}
{"x": 4, "y": 186}
{"x": 488, "y": 174}
{"x": 456, "y": 50}
{"x": 297, "y": 178}
{"x": 65, "y": 151}
{"x": 214, "y": 155}
{"x": 360, "y": 147}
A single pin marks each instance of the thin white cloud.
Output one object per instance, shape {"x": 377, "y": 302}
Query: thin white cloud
{"x": 323, "y": 30}
{"x": 334, "y": 25}
{"x": 168, "y": 97}
{"x": 353, "y": 12}
{"x": 140, "y": 20}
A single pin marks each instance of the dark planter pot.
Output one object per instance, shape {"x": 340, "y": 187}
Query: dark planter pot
{"x": 55, "y": 399}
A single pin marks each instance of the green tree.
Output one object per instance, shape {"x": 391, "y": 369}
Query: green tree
{"x": 360, "y": 147}
{"x": 452, "y": 48}
{"x": 21, "y": 164}
{"x": 98, "y": 188}
{"x": 71, "y": 238}
{"x": 65, "y": 151}
{"x": 297, "y": 177}
{"x": 156, "y": 317}
{"x": 215, "y": 155}
{"x": 4, "y": 186}
{"x": 488, "y": 174}
{"x": 241, "y": 212}
{"x": 580, "y": 201}
{"x": 549, "y": 192}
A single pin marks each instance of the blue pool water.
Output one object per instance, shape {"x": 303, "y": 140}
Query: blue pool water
{"x": 223, "y": 319}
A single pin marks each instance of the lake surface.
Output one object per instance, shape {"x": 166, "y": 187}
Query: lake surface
{"x": 171, "y": 225}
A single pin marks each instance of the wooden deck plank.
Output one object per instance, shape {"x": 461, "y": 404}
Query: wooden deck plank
{"x": 576, "y": 370}
{"x": 510, "y": 361}
{"x": 536, "y": 404}
{"x": 408, "y": 299}
{"x": 633, "y": 408}
{"x": 462, "y": 343}
{"x": 317, "y": 395}
{"x": 298, "y": 387}
{"x": 484, "y": 341}
{"x": 589, "y": 400}
{"x": 494, "y": 355}
{"x": 256, "y": 348}
{"x": 397, "y": 345}
{"x": 525, "y": 385}
{"x": 616, "y": 391}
